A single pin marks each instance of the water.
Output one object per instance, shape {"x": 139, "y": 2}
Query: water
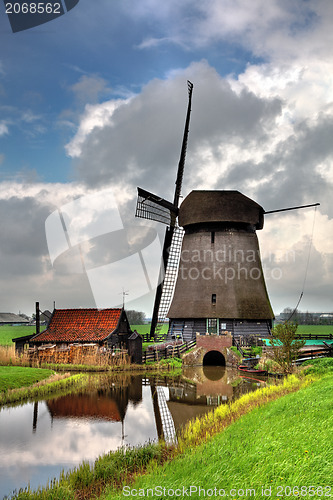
{"x": 38, "y": 440}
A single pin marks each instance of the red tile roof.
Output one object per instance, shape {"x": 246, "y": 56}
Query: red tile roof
{"x": 80, "y": 325}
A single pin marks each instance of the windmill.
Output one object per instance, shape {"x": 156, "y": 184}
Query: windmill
{"x": 152, "y": 207}
{"x": 218, "y": 285}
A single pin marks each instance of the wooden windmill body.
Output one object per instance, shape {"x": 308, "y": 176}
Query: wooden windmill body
{"x": 220, "y": 285}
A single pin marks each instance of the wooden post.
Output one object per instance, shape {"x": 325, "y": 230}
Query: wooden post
{"x": 37, "y": 319}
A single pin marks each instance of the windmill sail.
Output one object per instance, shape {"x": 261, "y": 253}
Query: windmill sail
{"x": 152, "y": 207}
{"x": 170, "y": 277}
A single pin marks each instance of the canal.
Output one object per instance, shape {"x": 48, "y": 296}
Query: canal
{"x": 40, "y": 439}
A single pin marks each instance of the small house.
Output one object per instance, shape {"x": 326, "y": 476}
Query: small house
{"x": 104, "y": 327}
{"x": 12, "y": 319}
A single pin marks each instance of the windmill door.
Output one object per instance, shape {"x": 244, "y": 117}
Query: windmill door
{"x": 212, "y": 326}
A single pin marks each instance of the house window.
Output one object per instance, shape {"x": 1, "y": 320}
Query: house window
{"x": 223, "y": 326}
{"x": 212, "y": 237}
{"x": 214, "y": 298}
{"x": 212, "y": 326}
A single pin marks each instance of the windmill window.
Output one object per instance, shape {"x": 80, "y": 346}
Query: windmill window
{"x": 212, "y": 237}
{"x": 214, "y": 298}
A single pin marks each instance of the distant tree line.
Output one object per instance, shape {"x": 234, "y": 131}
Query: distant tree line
{"x": 305, "y": 318}
{"x": 136, "y": 317}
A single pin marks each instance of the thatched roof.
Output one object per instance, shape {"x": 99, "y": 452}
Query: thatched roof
{"x": 218, "y": 207}
{"x": 8, "y": 318}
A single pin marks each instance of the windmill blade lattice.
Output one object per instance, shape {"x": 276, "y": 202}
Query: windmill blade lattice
{"x": 152, "y": 207}
{"x": 170, "y": 276}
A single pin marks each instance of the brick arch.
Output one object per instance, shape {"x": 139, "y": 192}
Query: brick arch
{"x": 214, "y": 358}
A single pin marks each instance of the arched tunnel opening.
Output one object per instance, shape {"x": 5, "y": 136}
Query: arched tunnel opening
{"x": 213, "y": 358}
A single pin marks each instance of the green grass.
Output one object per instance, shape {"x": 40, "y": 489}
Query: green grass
{"x": 142, "y": 329}
{"x": 7, "y": 333}
{"x": 319, "y": 366}
{"x": 44, "y": 387}
{"x": 315, "y": 329}
{"x": 14, "y": 377}
{"x": 287, "y": 443}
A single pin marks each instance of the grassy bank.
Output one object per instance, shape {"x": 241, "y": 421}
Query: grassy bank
{"x": 14, "y": 377}
{"x": 283, "y": 447}
{"x": 19, "y": 384}
{"x": 116, "y": 469}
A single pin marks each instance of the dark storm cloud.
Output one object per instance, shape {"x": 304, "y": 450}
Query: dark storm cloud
{"x": 22, "y": 233}
{"x": 295, "y": 172}
{"x": 142, "y": 142}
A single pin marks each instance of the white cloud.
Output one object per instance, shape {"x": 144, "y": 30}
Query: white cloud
{"x": 89, "y": 88}
{"x": 275, "y": 30}
{"x": 96, "y": 116}
{"x": 3, "y": 129}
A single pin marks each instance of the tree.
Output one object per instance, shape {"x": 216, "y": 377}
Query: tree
{"x": 136, "y": 317}
{"x": 285, "y": 345}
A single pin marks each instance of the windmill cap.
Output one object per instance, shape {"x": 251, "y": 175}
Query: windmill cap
{"x": 220, "y": 207}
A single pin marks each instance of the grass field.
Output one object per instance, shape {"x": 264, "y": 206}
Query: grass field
{"x": 142, "y": 329}
{"x": 7, "y": 333}
{"x": 13, "y": 377}
{"x": 315, "y": 329}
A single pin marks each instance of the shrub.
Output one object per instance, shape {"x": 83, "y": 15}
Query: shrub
{"x": 285, "y": 345}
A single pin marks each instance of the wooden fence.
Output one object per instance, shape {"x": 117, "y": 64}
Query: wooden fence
{"x": 174, "y": 351}
{"x": 315, "y": 336}
{"x": 157, "y": 338}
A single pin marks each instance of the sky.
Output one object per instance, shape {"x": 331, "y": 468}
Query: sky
{"x": 93, "y": 104}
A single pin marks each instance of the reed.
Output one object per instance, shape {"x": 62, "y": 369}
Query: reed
{"x": 9, "y": 357}
{"x": 84, "y": 357}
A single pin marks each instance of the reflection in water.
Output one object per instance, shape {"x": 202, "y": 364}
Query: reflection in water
{"x": 39, "y": 440}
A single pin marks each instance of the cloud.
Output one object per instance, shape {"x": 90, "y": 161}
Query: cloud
{"x": 274, "y": 30}
{"x": 123, "y": 151}
{"x": 259, "y": 133}
{"x": 95, "y": 117}
{"x": 266, "y": 132}
{"x": 26, "y": 273}
{"x": 90, "y": 88}
{"x": 88, "y": 270}
{"x": 3, "y": 128}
